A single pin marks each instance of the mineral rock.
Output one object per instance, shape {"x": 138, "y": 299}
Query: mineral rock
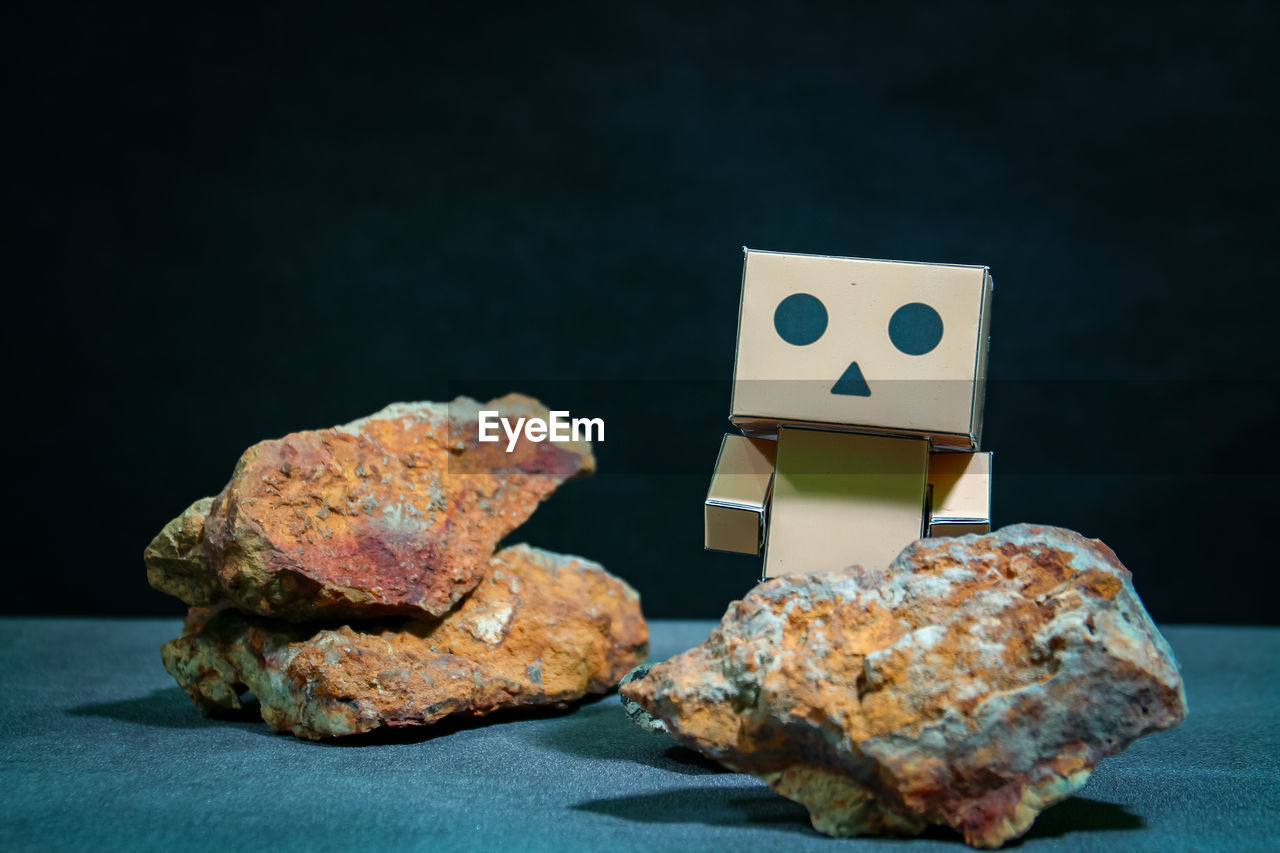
{"x": 974, "y": 682}
{"x": 394, "y": 514}
{"x": 635, "y": 712}
{"x": 540, "y": 629}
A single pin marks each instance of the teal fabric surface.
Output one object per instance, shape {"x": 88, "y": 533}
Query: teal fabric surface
{"x": 102, "y": 751}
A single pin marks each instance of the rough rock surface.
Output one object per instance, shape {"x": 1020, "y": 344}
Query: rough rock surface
{"x": 540, "y": 629}
{"x": 973, "y": 683}
{"x": 635, "y": 712}
{"x": 394, "y": 514}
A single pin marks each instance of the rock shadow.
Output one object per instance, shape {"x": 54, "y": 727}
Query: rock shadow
{"x": 711, "y": 806}
{"x": 604, "y": 733}
{"x": 1081, "y": 814}
{"x": 721, "y": 806}
{"x": 166, "y": 707}
{"x": 170, "y": 707}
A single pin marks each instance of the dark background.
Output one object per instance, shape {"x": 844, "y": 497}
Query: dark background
{"x": 224, "y": 226}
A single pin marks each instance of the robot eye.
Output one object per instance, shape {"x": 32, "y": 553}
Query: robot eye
{"x": 915, "y": 328}
{"x": 800, "y": 319}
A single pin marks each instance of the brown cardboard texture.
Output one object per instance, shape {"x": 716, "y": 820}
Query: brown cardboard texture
{"x": 960, "y": 491}
{"x": 882, "y": 347}
{"x": 734, "y": 511}
{"x": 841, "y": 499}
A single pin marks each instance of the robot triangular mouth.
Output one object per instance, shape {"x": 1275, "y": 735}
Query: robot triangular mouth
{"x": 852, "y": 383}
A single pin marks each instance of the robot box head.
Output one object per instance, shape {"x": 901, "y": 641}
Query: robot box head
{"x": 865, "y": 346}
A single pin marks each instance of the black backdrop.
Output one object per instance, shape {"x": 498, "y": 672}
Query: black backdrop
{"x": 223, "y": 227}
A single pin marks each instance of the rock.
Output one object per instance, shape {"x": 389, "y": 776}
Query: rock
{"x": 540, "y": 629}
{"x": 635, "y": 712}
{"x": 175, "y": 558}
{"x": 973, "y": 683}
{"x": 394, "y": 514}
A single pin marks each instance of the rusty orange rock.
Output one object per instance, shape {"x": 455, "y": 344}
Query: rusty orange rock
{"x": 540, "y": 629}
{"x": 394, "y": 514}
{"x": 973, "y": 683}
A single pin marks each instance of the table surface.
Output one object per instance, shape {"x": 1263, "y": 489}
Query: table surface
{"x": 101, "y": 750}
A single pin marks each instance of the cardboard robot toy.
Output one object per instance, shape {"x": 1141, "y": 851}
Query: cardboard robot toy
{"x": 858, "y": 388}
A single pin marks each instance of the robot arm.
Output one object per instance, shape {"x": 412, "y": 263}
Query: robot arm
{"x": 738, "y": 499}
{"x": 959, "y": 494}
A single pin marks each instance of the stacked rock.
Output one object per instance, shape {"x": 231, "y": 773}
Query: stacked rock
{"x": 347, "y": 578}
